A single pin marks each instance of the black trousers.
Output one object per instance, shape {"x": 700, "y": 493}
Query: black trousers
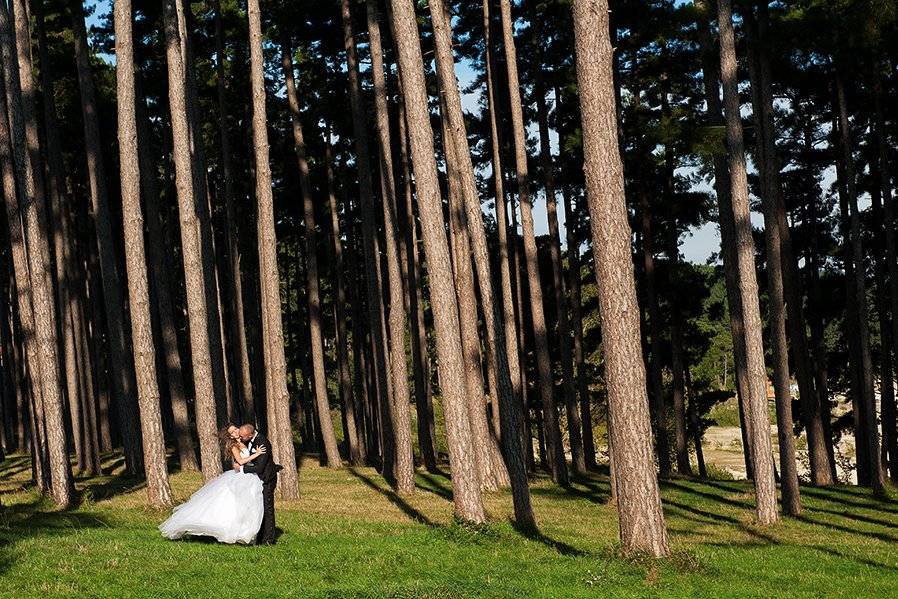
{"x": 266, "y": 533}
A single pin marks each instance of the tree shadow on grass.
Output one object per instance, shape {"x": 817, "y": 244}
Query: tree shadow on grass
{"x": 881, "y": 536}
{"x": 394, "y": 498}
{"x": 560, "y": 547}
{"x": 434, "y": 485}
{"x": 674, "y": 485}
{"x": 852, "y": 498}
{"x": 35, "y": 519}
{"x": 708, "y": 517}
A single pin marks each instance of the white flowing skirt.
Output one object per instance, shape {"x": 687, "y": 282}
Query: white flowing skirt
{"x": 228, "y": 508}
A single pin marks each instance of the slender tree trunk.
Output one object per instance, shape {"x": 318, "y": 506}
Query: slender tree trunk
{"x": 465, "y": 484}
{"x": 420, "y": 358}
{"x": 651, "y": 299}
{"x": 575, "y": 434}
{"x": 870, "y": 433}
{"x": 366, "y": 201}
{"x": 322, "y": 404}
{"x": 557, "y": 461}
{"x": 162, "y": 291}
{"x": 776, "y": 296}
{"x": 695, "y": 424}
{"x": 678, "y": 368}
{"x": 26, "y": 154}
{"x": 890, "y": 302}
{"x": 642, "y": 526}
{"x": 232, "y": 272}
{"x": 158, "y": 487}
{"x": 278, "y": 399}
{"x": 61, "y": 243}
{"x": 710, "y": 71}
{"x": 121, "y": 360}
{"x": 204, "y": 394}
{"x": 396, "y": 315}
{"x": 346, "y": 390}
{"x": 756, "y": 406}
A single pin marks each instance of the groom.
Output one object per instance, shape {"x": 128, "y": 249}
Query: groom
{"x": 265, "y": 468}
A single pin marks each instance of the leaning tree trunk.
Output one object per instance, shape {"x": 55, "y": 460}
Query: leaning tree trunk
{"x": 465, "y": 484}
{"x": 498, "y": 360}
{"x": 557, "y": 461}
{"x": 642, "y": 526}
{"x": 158, "y": 488}
{"x": 870, "y": 433}
{"x": 756, "y": 406}
{"x": 204, "y": 394}
{"x": 776, "y": 297}
{"x": 396, "y": 316}
{"x": 26, "y": 155}
{"x": 328, "y": 438}
{"x": 121, "y": 362}
{"x": 710, "y": 70}
{"x": 278, "y": 399}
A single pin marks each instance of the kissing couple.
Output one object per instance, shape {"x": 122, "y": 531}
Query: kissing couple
{"x": 237, "y": 506}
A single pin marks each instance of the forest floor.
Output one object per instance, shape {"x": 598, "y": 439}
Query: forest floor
{"x": 349, "y": 536}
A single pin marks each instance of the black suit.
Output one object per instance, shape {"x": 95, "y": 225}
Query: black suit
{"x": 264, "y": 467}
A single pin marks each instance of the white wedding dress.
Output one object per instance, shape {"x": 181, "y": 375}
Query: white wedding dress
{"x": 228, "y": 508}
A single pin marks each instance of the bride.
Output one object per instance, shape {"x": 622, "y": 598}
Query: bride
{"x": 228, "y": 507}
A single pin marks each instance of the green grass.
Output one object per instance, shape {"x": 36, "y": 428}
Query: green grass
{"x": 349, "y": 536}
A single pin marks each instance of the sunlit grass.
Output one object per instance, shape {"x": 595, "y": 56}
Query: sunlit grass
{"x": 348, "y": 535}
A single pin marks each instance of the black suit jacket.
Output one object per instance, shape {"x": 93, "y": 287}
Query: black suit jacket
{"x": 263, "y": 466}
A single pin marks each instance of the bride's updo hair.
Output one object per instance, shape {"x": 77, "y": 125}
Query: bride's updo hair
{"x": 227, "y": 441}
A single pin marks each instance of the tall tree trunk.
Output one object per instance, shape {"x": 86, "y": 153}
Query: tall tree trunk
{"x": 204, "y": 394}
{"x": 61, "y": 244}
{"x": 656, "y": 384}
{"x": 870, "y": 434}
{"x": 158, "y": 488}
{"x": 373, "y": 290}
{"x": 710, "y": 72}
{"x": 26, "y": 154}
{"x": 642, "y": 526}
{"x": 162, "y": 291}
{"x": 420, "y": 357}
{"x": 515, "y": 468}
{"x": 756, "y": 406}
{"x": 313, "y": 298}
{"x": 465, "y": 484}
{"x": 346, "y": 390}
{"x": 677, "y": 367}
{"x": 776, "y": 296}
{"x": 233, "y": 276}
{"x": 890, "y": 303}
{"x": 557, "y": 461}
{"x": 575, "y": 434}
{"x": 695, "y": 424}
{"x": 278, "y": 399}
{"x": 120, "y": 356}
{"x": 396, "y": 315}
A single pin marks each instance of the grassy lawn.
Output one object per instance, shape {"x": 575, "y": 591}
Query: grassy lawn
{"x": 349, "y": 536}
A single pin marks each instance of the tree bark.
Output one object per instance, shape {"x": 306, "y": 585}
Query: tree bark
{"x": 233, "y": 277}
{"x": 204, "y": 394}
{"x": 769, "y": 174}
{"x": 328, "y": 438}
{"x": 465, "y": 484}
{"x": 642, "y": 526}
{"x": 278, "y": 399}
{"x": 32, "y": 210}
{"x": 869, "y": 434}
{"x": 557, "y": 461}
{"x": 158, "y": 488}
{"x": 396, "y": 316}
{"x": 120, "y": 357}
{"x": 756, "y": 406}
